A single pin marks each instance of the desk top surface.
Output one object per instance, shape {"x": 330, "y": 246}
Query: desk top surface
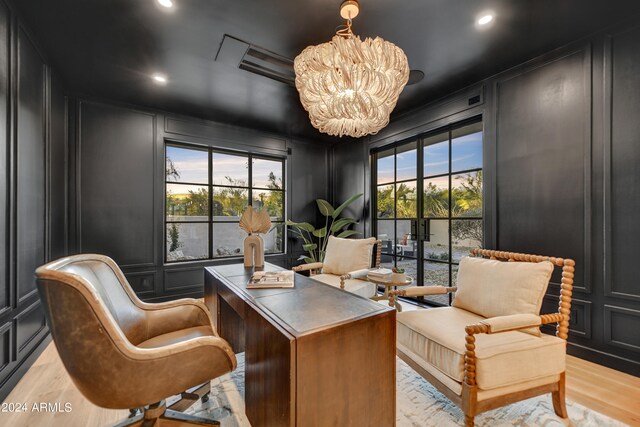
{"x": 307, "y": 307}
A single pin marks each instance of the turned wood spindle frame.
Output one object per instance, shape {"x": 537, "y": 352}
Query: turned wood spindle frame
{"x": 468, "y": 400}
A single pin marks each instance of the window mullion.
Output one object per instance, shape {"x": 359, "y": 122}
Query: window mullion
{"x": 210, "y": 237}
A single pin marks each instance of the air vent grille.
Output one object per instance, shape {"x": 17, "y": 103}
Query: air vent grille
{"x": 255, "y": 59}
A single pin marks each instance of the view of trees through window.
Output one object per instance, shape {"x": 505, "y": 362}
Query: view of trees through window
{"x": 207, "y": 191}
{"x": 428, "y": 201}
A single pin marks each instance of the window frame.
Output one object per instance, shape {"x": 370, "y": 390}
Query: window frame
{"x": 210, "y": 150}
{"x": 421, "y": 178}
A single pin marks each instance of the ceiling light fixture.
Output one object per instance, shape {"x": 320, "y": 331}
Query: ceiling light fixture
{"x": 485, "y": 19}
{"x": 160, "y": 79}
{"x": 350, "y": 86}
{"x": 166, "y": 3}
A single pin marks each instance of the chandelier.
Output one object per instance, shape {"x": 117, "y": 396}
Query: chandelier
{"x": 350, "y": 86}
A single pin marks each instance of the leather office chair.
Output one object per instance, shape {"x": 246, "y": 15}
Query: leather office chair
{"x": 123, "y": 353}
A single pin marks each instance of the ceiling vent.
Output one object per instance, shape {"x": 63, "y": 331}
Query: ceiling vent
{"x": 255, "y": 59}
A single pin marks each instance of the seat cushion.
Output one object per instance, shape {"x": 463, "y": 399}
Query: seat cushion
{"x": 346, "y": 255}
{"x": 493, "y": 288}
{"x": 355, "y": 286}
{"x": 438, "y": 336}
{"x": 176, "y": 337}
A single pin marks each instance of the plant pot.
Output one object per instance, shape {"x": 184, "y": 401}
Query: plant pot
{"x": 398, "y": 277}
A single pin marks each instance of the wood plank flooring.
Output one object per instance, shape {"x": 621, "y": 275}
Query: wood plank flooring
{"x": 602, "y": 389}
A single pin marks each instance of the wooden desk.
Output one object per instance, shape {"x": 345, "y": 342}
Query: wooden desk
{"x": 314, "y": 355}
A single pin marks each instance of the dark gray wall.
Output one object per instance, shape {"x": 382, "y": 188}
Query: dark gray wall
{"x": 561, "y": 156}
{"x": 117, "y": 184}
{"x": 32, "y": 192}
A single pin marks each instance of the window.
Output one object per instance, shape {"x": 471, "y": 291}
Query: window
{"x": 428, "y": 201}
{"x": 207, "y": 190}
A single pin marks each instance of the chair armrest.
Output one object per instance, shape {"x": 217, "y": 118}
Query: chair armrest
{"x": 419, "y": 291}
{"x": 513, "y": 322}
{"x": 358, "y": 274}
{"x": 308, "y": 267}
{"x": 176, "y": 315}
{"x": 496, "y": 325}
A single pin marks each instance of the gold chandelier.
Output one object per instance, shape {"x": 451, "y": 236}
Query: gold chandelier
{"x": 350, "y": 86}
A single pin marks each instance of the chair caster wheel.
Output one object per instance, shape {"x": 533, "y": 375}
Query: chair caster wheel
{"x": 205, "y": 398}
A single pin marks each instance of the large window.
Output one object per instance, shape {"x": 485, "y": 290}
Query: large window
{"x": 428, "y": 196}
{"x": 207, "y": 191}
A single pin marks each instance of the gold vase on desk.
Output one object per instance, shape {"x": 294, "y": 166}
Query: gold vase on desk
{"x": 254, "y": 222}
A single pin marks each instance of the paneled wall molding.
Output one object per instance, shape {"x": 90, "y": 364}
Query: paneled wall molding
{"x": 6, "y": 347}
{"x": 226, "y": 136}
{"x": 143, "y": 282}
{"x": 561, "y": 176}
{"x": 459, "y": 106}
{"x": 621, "y": 327}
{"x": 27, "y": 196}
{"x": 120, "y": 138}
{"x": 556, "y": 94}
{"x": 580, "y": 317}
{"x": 29, "y": 324}
{"x": 620, "y": 224}
{"x": 122, "y": 150}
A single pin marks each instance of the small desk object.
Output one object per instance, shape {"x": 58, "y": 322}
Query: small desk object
{"x": 315, "y": 355}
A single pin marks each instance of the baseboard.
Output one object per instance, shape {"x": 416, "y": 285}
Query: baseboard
{"x": 628, "y": 366}
{"x": 23, "y": 367}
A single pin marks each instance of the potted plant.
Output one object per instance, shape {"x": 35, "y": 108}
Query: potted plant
{"x": 315, "y": 240}
{"x": 398, "y": 275}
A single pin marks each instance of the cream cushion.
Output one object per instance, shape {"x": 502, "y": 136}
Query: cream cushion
{"x": 437, "y": 335}
{"x": 456, "y": 387}
{"x": 355, "y": 286}
{"x": 346, "y": 255}
{"x": 492, "y": 288}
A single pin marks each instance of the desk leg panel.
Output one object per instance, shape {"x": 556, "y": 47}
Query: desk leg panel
{"x": 231, "y": 326}
{"x": 269, "y": 373}
{"x": 346, "y": 375}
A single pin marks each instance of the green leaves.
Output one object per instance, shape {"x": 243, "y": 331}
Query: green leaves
{"x": 347, "y": 233}
{"x": 302, "y": 226}
{"x": 321, "y": 232}
{"x": 336, "y": 213}
{"x": 315, "y": 240}
{"x": 341, "y": 223}
{"x": 325, "y": 207}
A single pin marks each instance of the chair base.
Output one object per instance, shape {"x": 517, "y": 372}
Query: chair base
{"x": 468, "y": 400}
{"x": 157, "y": 415}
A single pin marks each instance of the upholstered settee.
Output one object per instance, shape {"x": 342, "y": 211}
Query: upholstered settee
{"x": 346, "y": 264}
{"x": 486, "y": 350}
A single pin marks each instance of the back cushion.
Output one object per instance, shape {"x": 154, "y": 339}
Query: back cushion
{"x": 105, "y": 282}
{"x": 346, "y": 255}
{"x": 493, "y": 288}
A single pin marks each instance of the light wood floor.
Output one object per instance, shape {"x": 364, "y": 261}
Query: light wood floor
{"x": 602, "y": 389}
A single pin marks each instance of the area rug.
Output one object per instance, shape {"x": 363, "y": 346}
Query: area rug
{"x": 419, "y": 404}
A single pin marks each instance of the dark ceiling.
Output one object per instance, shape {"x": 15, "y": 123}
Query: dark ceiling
{"x": 109, "y": 48}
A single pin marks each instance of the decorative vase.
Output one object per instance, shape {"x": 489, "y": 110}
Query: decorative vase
{"x": 398, "y": 277}
{"x": 254, "y": 251}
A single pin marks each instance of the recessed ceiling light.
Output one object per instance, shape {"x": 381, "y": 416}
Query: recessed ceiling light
{"x": 485, "y": 19}
{"x": 166, "y": 3}
{"x": 160, "y": 79}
